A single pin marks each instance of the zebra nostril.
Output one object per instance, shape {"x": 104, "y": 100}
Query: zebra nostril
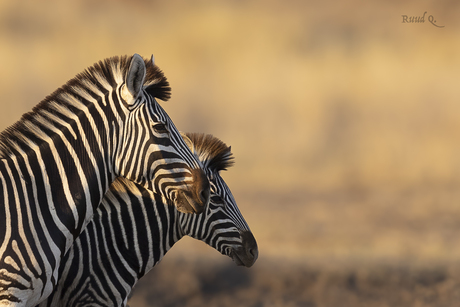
{"x": 250, "y": 245}
{"x": 251, "y": 252}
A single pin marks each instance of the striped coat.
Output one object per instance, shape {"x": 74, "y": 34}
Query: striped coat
{"x": 58, "y": 161}
{"x": 133, "y": 229}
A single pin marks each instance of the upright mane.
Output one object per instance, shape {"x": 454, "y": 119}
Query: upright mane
{"x": 212, "y": 152}
{"x": 103, "y": 76}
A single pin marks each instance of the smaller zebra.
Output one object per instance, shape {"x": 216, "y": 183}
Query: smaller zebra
{"x": 133, "y": 229}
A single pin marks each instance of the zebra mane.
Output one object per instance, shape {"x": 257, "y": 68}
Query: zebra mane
{"x": 212, "y": 152}
{"x": 102, "y": 76}
{"x": 114, "y": 70}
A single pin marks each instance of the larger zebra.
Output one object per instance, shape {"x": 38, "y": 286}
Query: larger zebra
{"x": 59, "y": 160}
{"x": 134, "y": 228}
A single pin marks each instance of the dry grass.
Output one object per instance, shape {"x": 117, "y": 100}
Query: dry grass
{"x": 344, "y": 123}
{"x": 185, "y": 282}
{"x": 343, "y": 249}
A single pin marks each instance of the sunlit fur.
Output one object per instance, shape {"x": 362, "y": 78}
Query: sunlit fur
{"x": 57, "y": 162}
{"x": 123, "y": 242}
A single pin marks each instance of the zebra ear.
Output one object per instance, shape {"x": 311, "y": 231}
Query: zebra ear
{"x": 134, "y": 79}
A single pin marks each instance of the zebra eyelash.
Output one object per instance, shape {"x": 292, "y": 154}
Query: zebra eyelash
{"x": 216, "y": 199}
{"x": 160, "y": 128}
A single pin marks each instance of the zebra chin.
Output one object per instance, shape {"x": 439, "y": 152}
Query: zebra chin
{"x": 247, "y": 253}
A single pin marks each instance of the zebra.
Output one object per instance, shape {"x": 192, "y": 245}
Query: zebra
{"x": 134, "y": 228}
{"x": 58, "y": 161}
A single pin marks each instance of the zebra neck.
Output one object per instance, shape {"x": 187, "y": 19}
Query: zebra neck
{"x": 164, "y": 233}
{"x": 145, "y": 229}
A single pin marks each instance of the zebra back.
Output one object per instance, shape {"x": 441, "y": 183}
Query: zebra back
{"x": 133, "y": 229}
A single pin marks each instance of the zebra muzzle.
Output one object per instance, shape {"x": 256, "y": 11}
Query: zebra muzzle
{"x": 247, "y": 253}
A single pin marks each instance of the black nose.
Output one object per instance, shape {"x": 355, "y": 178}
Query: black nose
{"x": 250, "y": 246}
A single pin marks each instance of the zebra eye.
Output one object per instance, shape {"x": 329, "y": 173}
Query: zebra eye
{"x": 160, "y": 128}
{"x": 217, "y": 200}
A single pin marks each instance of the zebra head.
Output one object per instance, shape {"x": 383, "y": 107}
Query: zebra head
{"x": 152, "y": 152}
{"x": 222, "y": 226}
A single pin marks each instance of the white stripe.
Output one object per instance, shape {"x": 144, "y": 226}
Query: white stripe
{"x": 103, "y": 81}
{"x": 112, "y": 265}
{"x": 77, "y": 104}
{"x": 31, "y": 226}
{"x": 76, "y": 248}
{"x": 32, "y": 174}
{"x": 20, "y": 227}
{"x": 70, "y": 202}
{"x": 6, "y": 204}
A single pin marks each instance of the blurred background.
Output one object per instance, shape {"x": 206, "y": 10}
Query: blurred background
{"x": 344, "y": 122}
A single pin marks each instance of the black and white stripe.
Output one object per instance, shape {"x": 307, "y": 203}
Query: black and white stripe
{"x": 133, "y": 229}
{"x": 59, "y": 160}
